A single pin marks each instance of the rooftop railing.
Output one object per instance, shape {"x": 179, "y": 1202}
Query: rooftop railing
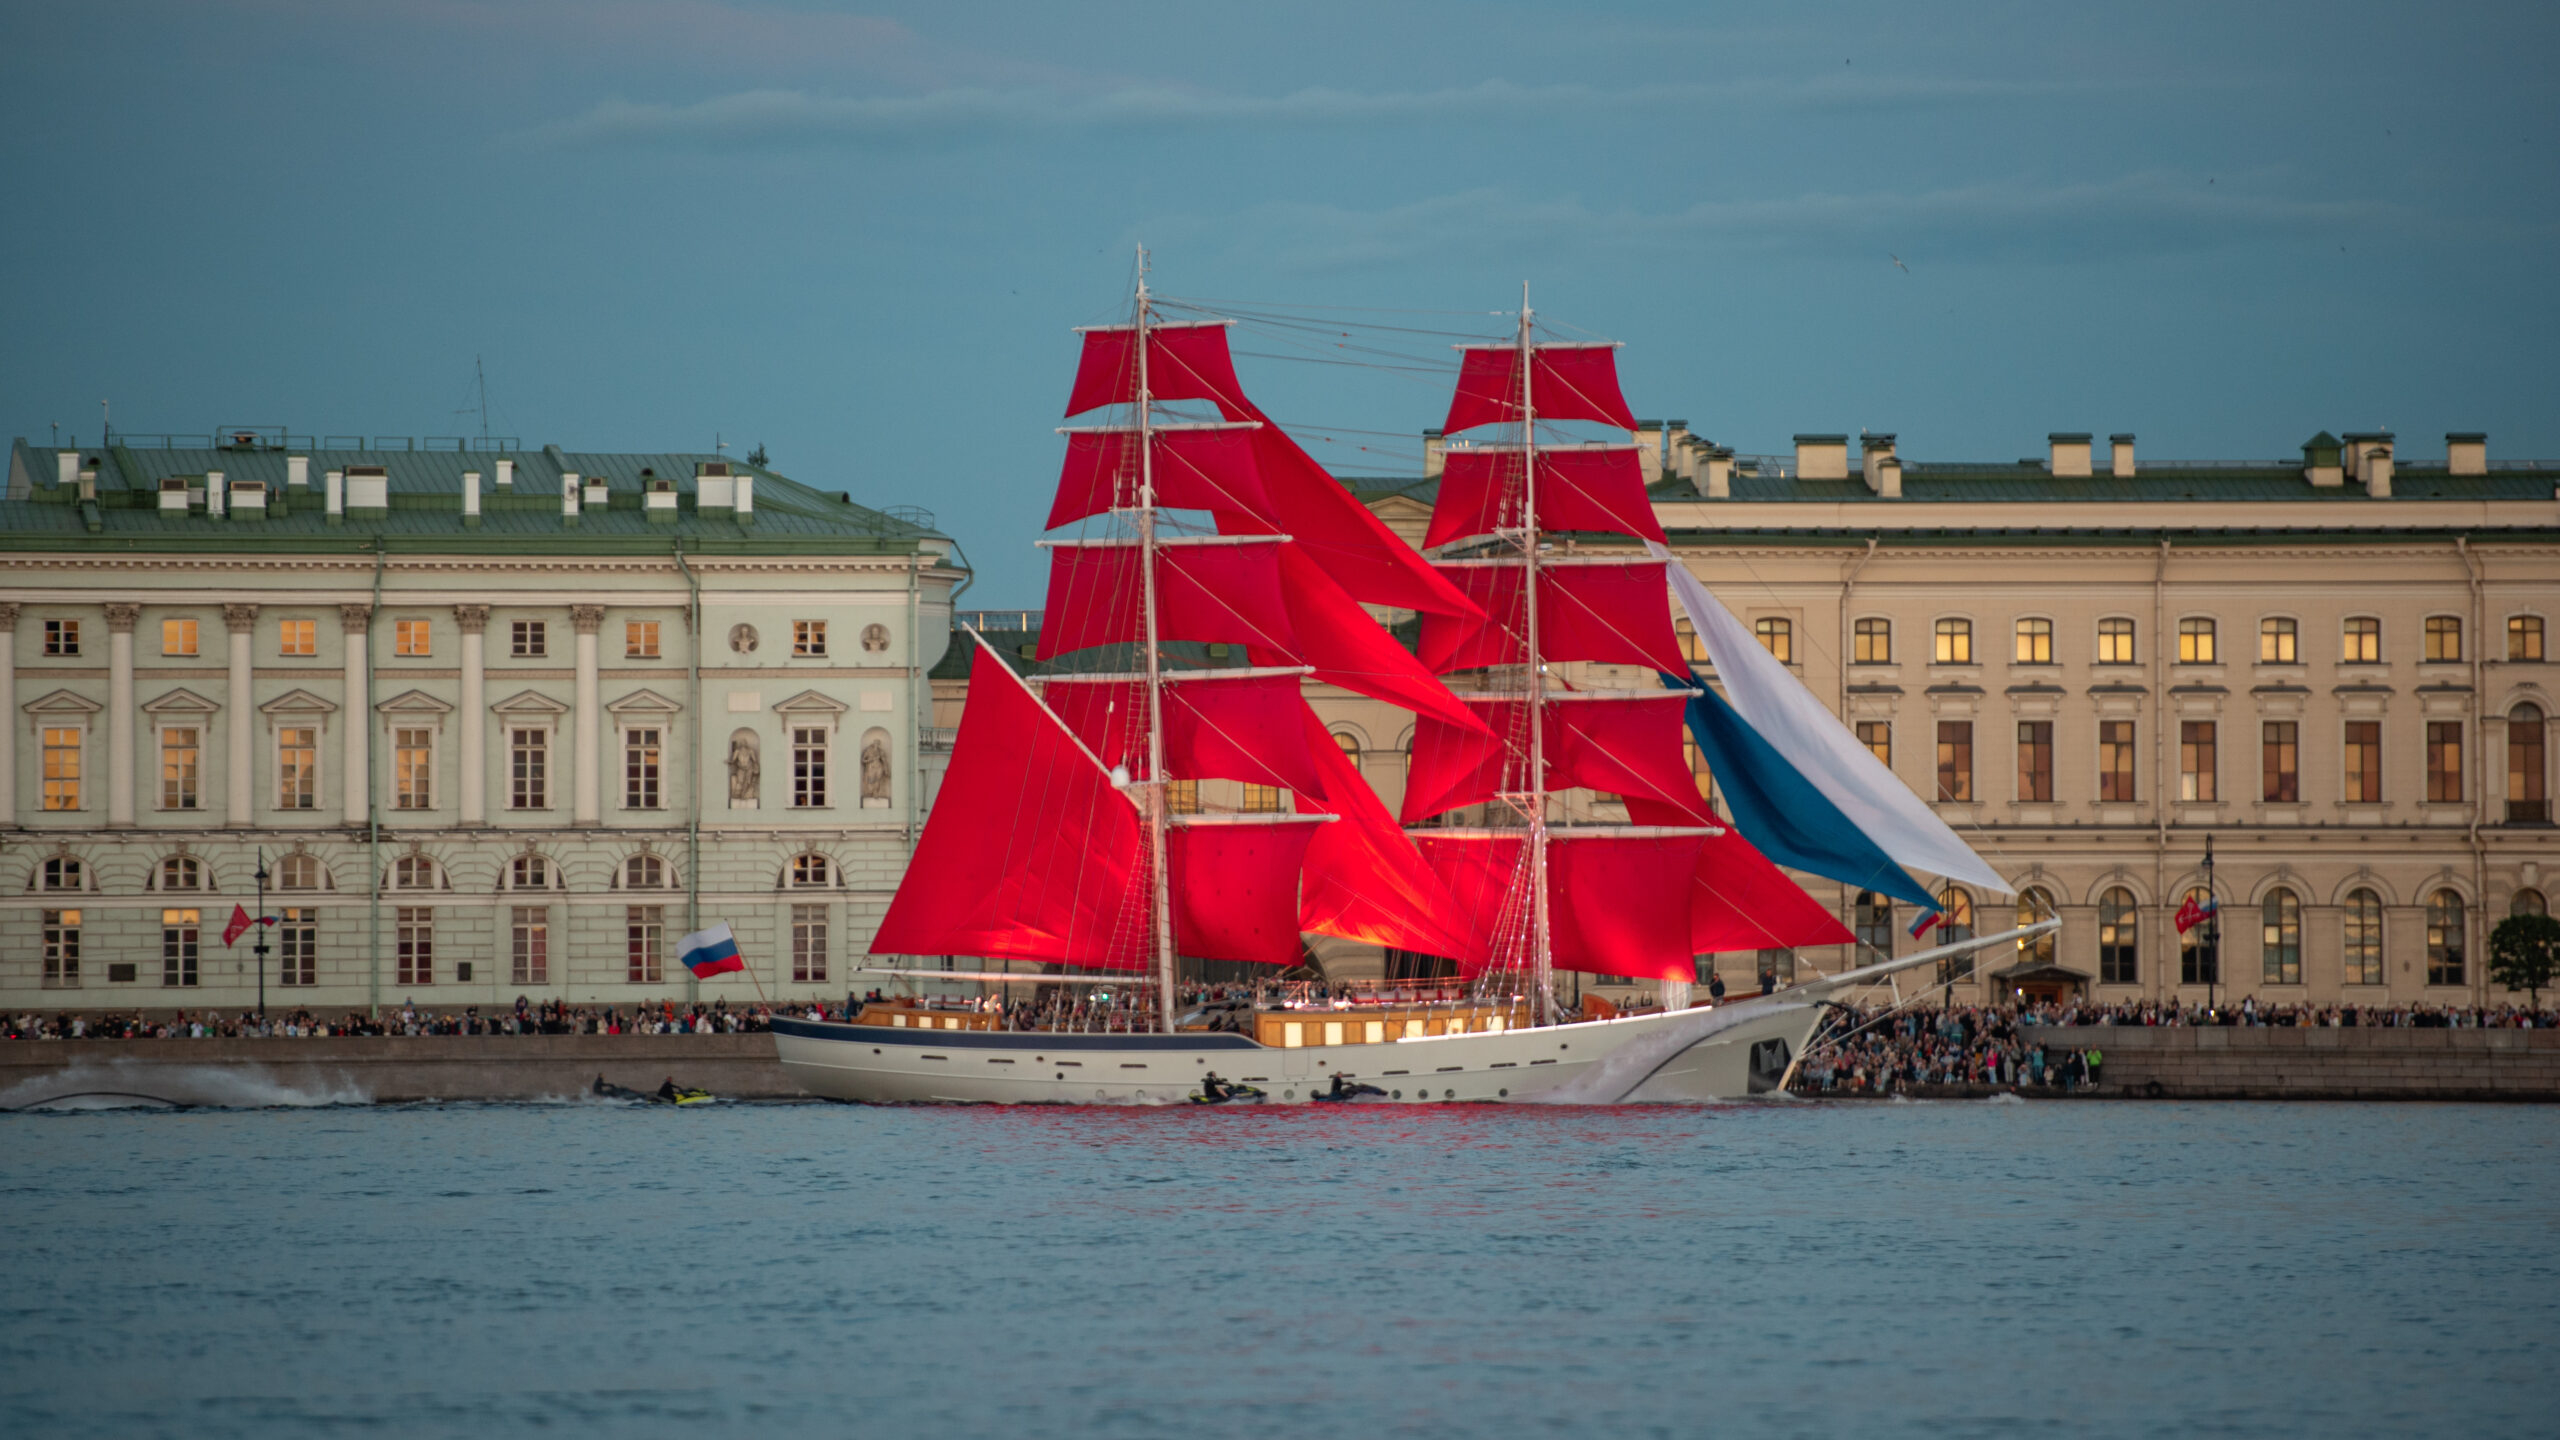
{"x": 246, "y": 439}
{"x": 1009, "y": 622}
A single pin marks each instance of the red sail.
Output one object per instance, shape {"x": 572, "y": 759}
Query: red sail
{"x": 1235, "y": 889}
{"x": 1209, "y": 592}
{"x": 1357, "y": 549}
{"x": 1029, "y": 853}
{"x": 1364, "y": 880}
{"x": 1347, "y": 648}
{"x": 1617, "y": 612}
{"x": 1593, "y": 488}
{"x": 1616, "y": 904}
{"x": 1215, "y": 728}
{"x": 1197, "y": 468}
{"x": 1739, "y": 900}
{"x": 1625, "y": 746}
{"x": 1184, "y": 362}
{"x": 1567, "y": 382}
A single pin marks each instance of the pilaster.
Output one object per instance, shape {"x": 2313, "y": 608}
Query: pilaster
{"x": 120, "y": 622}
{"x": 355, "y": 737}
{"x": 588, "y": 791}
{"x": 8, "y": 717}
{"x": 474, "y": 723}
{"x": 239, "y": 720}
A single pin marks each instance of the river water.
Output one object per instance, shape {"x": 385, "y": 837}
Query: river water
{"x": 1792, "y": 1269}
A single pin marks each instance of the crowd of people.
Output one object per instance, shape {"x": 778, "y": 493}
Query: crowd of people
{"x": 550, "y": 1017}
{"x": 2249, "y": 1012}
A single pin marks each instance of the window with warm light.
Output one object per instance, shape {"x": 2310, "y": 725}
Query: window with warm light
{"x": 2444, "y": 762}
{"x": 2280, "y": 761}
{"x": 2360, "y": 641}
{"x": 2444, "y": 638}
{"x": 1877, "y": 736}
{"x": 2119, "y": 938}
{"x": 2280, "y": 938}
{"x": 640, "y": 640}
{"x": 2035, "y": 642}
{"x": 2524, "y": 637}
{"x": 2196, "y": 767}
{"x": 2115, "y": 762}
{"x": 299, "y": 638}
{"x": 1954, "y": 642}
{"x": 1955, "y": 760}
{"x": 412, "y": 637}
{"x": 412, "y": 770}
{"x": 2446, "y": 961}
{"x": 2278, "y": 638}
{"x": 808, "y": 638}
{"x": 1777, "y": 636}
{"x": 177, "y": 637}
{"x": 180, "y": 761}
{"x": 1872, "y": 641}
{"x": 2115, "y": 641}
{"x": 297, "y": 768}
{"x": 61, "y": 767}
{"x": 2195, "y": 641}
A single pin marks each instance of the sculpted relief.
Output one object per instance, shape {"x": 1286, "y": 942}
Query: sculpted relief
{"x": 746, "y": 770}
{"x": 875, "y": 770}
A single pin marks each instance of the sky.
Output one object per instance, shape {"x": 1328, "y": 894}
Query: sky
{"x": 860, "y": 236}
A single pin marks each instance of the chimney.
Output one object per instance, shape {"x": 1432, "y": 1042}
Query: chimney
{"x": 173, "y": 494}
{"x": 89, "y": 485}
{"x": 213, "y": 496}
{"x": 507, "y": 475}
{"x": 1889, "y": 478}
{"x": 569, "y": 499}
{"x": 2120, "y": 458}
{"x": 66, "y": 467}
{"x": 1822, "y": 457}
{"x": 2377, "y": 472}
{"x": 2466, "y": 452}
{"x": 747, "y": 499}
{"x": 1648, "y": 436}
{"x": 471, "y": 499}
{"x": 2320, "y": 460}
{"x": 336, "y": 480}
{"x": 1719, "y": 473}
{"x": 2069, "y": 454}
{"x": 1435, "y": 447}
{"x": 1873, "y": 451}
{"x": 658, "y": 500}
{"x": 297, "y": 471}
{"x": 596, "y": 496}
{"x": 248, "y": 500}
{"x": 368, "y": 491}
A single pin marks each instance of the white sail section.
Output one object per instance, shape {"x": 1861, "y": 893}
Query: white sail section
{"x": 1803, "y": 730}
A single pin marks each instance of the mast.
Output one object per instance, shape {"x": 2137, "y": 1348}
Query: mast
{"x": 1541, "y": 951}
{"x": 1161, "y": 926}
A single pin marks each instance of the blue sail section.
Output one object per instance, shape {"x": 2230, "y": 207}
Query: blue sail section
{"x": 1780, "y": 812}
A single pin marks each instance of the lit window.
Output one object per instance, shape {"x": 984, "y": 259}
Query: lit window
{"x": 529, "y": 945}
{"x": 180, "y": 942}
{"x": 808, "y": 637}
{"x": 297, "y": 768}
{"x": 1698, "y": 769}
{"x": 529, "y": 872}
{"x": 181, "y": 872}
{"x": 2196, "y": 760}
{"x": 2363, "y": 775}
{"x": 2195, "y": 642}
{"x": 645, "y": 934}
{"x": 61, "y": 768}
{"x": 2035, "y": 905}
{"x": 297, "y": 637}
{"x": 2524, "y": 637}
{"x": 60, "y": 873}
{"x": 177, "y": 637}
{"x": 412, "y": 770}
{"x": 2280, "y": 938}
{"x": 2363, "y": 947}
{"x": 1350, "y": 748}
{"x": 2444, "y": 762}
{"x": 2035, "y": 642}
{"x": 411, "y": 637}
{"x": 2360, "y": 642}
{"x": 298, "y": 943}
{"x": 644, "y": 872}
{"x": 531, "y": 642}
{"x": 62, "y": 637}
{"x": 808, "y": 943}
{"x": 528, "y": 769}
{"x": 2444, "y": 637}
{"x": 1955, "y": 760}
{"x": 1693, "y": 649}
{"x": 1182, "y": 797}
{"x": 61, "y": 949}
{"x": 180, "y": 760}
{"x": 2444, "y": 939}
{"x": 640, "y": 790}
{"x": 1955, "y": 642}
{"x": 2276, "y": 641}
{"x": 1778, "y": 637}
{"x": 1261, "y": 799}
{"x": 1877, "y": 736}
{"x": 2115, "y": 642}
{"x": 413, "y": 945}
{"x": 2115, "y": 761}
{"x": 808, "y": 769}
{"x": 640, "y": 640}
{"x": 1872, "y": 639}
{"x": 810, "y": 872}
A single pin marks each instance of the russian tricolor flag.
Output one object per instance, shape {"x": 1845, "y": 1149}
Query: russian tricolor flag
{"x": 1926, "y": 921}
{"x": 711, "y": 952}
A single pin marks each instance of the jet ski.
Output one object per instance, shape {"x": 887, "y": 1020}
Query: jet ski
{"x": 668, "y": 1094}
{"x": 1214, "y": 1091}
{"x": 1345, "y": 1090}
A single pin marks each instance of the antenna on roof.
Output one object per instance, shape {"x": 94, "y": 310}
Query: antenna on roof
{"x": 718, "y": 445}
{"x": 106, "y": 429}
{"x": 480, "y": 374}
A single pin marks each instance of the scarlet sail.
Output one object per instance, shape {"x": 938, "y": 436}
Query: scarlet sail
{"x": 1204, "y": 591}
{"x": 1184, "y": 362}
{"x": 1597, "y": 487}
{"x": 1197, "y": 467}
{"x": 1617, "y": 612}
{"x": 1618, "y": 903}
{"x": 1364, "y": 880}
{"x": 1241, "y": 727}
{"x": 1567, "y": 382}
{"x": 1235, "y": 889}
{"x": 1624, "y": 745}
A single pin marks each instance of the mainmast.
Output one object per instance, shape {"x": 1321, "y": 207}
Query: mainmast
{"x": 1541, "y": 951}
{"x": 1161, "y": 922}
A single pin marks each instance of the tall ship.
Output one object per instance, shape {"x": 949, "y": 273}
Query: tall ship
{"x": 1217, "y": 572}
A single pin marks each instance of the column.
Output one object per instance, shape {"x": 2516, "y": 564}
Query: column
{"x": 474, "y": 620}
{"x": 120, "y": 620}
{"x": 240, "y": 701}
{"x": 590, "y": 782}
{"x": 8, "y": 717}
{"x": 355, "y": 780}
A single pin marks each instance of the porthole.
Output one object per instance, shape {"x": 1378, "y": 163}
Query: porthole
{"x": 1505, "y": 1094}
{"x": 1396, "y": 1095}
{"x": 1448, "y": 1094}
{"x": 1288, "y": 1094}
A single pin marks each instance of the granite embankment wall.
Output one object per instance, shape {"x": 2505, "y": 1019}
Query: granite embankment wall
{"x": 2249, "y": 1063}
{"x": 388, "y": 1067}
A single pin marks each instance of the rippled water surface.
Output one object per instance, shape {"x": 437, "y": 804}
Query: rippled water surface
{"x": 2060, "y": 1269}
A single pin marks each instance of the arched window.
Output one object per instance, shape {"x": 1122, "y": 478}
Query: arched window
{"x": 2195, "y": 641}
{"x": 1955, "y": 642}
{"x": 413, "y": 872}
{"x": 2119, "y": 938}
{"x": 2035, "y": 642}
{"x": 810, "y": 872}
{"x": 2528, "y": 802}
{"x": 1777, "y": 636}
{"x": 1872, "y": 639}
{"x": 2363, "y": 947}
{"x": 2035, "y": 905}
{"x": 1957, "y": 926}
{"x": 2528, "y": 902}
{"x": 2444, "y": 939}
{"x": 644, "y": 872}
{"x": 1874, "y": 914}
{"x": 301, "y": 872}
{"x": 2115, "y": 641}
{"x": 181, "y": 872}
{"x": 2199, "y": 945}
{"x": 1350, "y": 747}
{"x": 529, "y": 872}
{"x": 2360, "y": 641}
{"x": 2278, "y": 639}
{"x": 2280, "y": 938}
{"x": 61, "y": 872}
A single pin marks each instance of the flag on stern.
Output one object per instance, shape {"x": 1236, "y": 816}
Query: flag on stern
{"x": 2195, "y": 913}
{"x": 711, "y": 952}
{"x": 241, "y": 920}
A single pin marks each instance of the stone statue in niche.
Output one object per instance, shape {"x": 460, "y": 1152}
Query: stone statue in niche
{"x": 746, "y": 770}
{"x": 875, "y": 639}
{"x": 875, "y": 771}
{"x": 742, "y": 638}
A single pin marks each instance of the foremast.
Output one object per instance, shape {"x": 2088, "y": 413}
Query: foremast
{"x": 1534, "y": 797}
{"x": 1157, "y": 796}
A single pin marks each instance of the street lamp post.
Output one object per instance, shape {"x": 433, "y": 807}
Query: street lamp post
{"x": 261, "y": 928}
{"x": 2212, "y": 930}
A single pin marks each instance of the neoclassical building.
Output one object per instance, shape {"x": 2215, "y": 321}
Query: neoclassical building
{"x": 498, "y": 722}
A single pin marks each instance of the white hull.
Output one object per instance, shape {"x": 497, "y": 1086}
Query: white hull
{"x": 1686, "y": 1056}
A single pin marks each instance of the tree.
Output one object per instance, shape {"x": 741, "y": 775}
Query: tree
{"x": 755, "y": 457}
{"x": 2524, "y": 953}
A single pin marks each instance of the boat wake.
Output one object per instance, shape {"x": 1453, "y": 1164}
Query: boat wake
{"x": 126, "y": 1084}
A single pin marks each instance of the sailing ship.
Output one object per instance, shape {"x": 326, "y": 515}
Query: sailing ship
{"x": 1066, "y": 835}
